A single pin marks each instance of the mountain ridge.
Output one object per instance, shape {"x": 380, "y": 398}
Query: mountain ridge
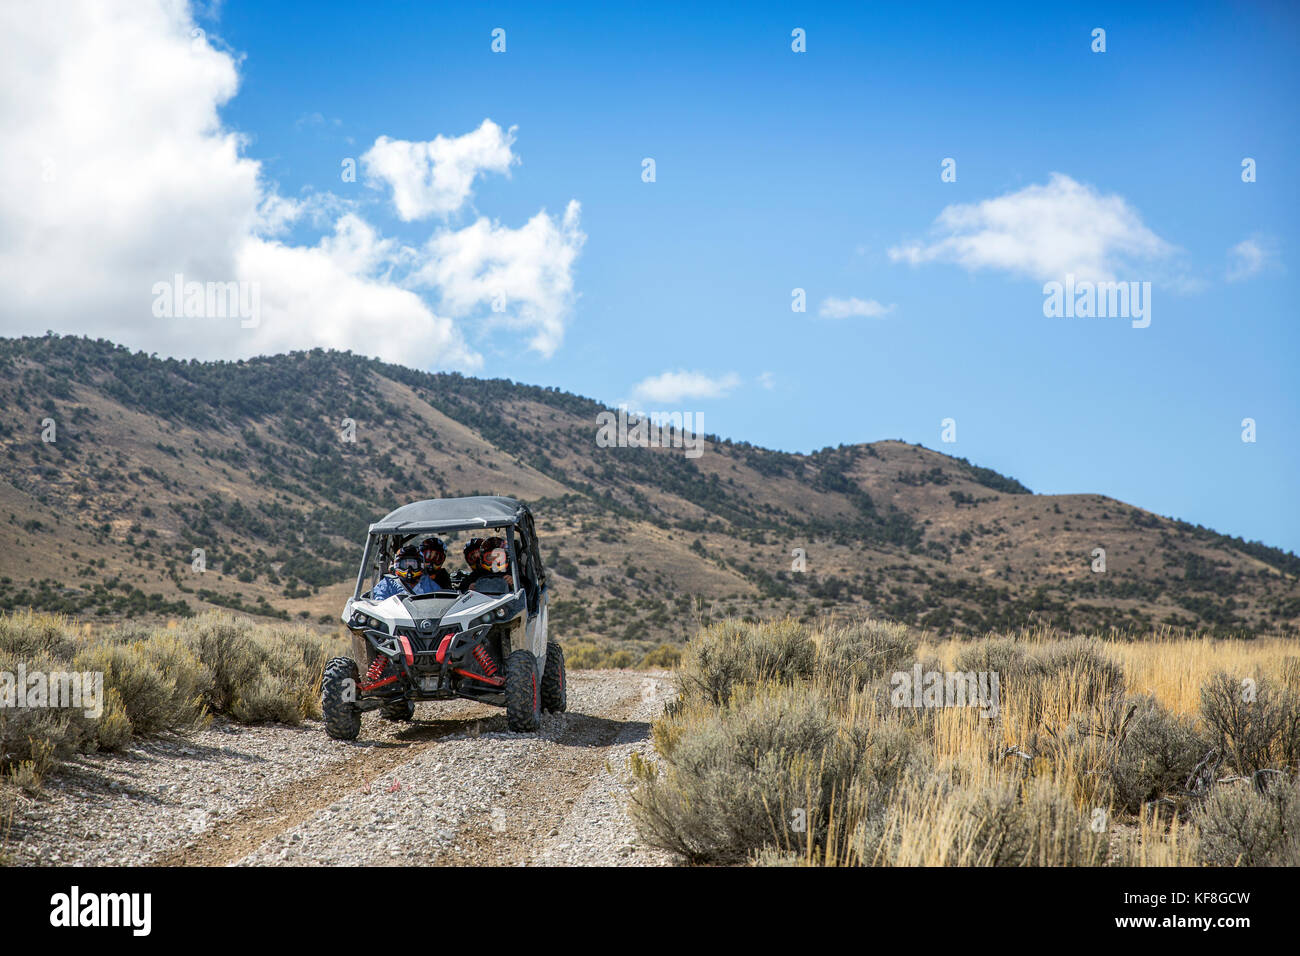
{"x": 252, "y": 462}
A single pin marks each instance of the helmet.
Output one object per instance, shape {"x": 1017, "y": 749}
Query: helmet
{"x": 408, "y": 565}
{"x": 433, "y": 553}
{"x": 472, "y": 548}
{"x": 493, "y": 557}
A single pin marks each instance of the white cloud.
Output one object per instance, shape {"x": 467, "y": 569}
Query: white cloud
{"x": 436, "y": 177}
{"x": 672, "y": 387}
{"x": 1250, "y": 257}
{"x": 767, "y": 380}
{"x": 833, "y": 308}
{"x": 118, "y": 174}
{"x": 329, "y": 282}
{"x": 1043, "y": 232}
{"x": 522, "y": 277}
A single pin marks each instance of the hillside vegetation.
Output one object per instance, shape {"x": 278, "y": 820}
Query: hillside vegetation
{"x": 246, "y": 469}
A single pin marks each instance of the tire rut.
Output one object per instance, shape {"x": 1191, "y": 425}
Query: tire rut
{"x": 239, "y": 835}
{"x": 515, "y": 834}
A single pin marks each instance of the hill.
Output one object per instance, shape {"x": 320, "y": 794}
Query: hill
{"x": 274, "y": 466}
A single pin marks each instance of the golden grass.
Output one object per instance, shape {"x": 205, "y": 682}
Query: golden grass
{"x": 1032, "y": 786}
{"x": 1170, "y": 668}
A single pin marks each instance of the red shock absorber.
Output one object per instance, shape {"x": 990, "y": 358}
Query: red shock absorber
{"x": 376, "y": 669}
{"x": 485, "y": 660}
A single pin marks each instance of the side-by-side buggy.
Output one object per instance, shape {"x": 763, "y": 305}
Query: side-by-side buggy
{"x": 483, "y": 641}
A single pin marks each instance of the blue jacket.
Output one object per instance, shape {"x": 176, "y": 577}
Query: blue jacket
{"x": 391, "y": 584}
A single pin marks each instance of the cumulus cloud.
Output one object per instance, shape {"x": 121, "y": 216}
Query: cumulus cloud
{"x": 1250, "y": 257}
{"x": 833, "y": 308}
{"x": 522, "y": 277}
{"x": 436, "y": 177}
{"x": 1043, "y": 232}
{"x": 329, "y": 281}
{"x": 679, "y": 386}
{"x": 118, "y": 175}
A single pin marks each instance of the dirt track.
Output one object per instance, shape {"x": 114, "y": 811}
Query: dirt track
{"x": 451, "y": 788}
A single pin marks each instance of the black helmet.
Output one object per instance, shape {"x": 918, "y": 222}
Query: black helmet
{"x": 433, "y": 553}
{"x": 408, "y": 564}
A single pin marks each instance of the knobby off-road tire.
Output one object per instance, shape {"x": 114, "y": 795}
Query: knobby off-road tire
{"x": 555, "y": 695}
{"x": 338, "y": 694}
{"x": 398, "y": 710}
{"x": 523, "y": 702}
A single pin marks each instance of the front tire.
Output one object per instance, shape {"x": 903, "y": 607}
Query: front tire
{"x": 523, "y": 702}
{"x": 555, "y": 694}
{"x": 403, "y": 710}
{"x": 338, "y": 696}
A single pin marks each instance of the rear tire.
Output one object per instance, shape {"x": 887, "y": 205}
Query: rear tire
{"x": 403, "y": 710}
{"x": 555, "y": 696}
{"x": 523, "y": 702}
{"x": 338, "y": 695}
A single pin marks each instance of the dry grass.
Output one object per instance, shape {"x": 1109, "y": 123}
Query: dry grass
{"x": 785, "y": 747}
{"x": 154, "y": 679}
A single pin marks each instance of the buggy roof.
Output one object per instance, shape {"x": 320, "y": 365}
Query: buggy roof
{"x": 451, "y": 514}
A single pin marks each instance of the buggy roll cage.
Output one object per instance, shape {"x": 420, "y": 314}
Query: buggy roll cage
{"x": 447, "y": 515}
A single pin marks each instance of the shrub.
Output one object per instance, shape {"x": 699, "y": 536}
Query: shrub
{"x": 763, "y": 771}
{"x": 155, "y": 679}
{"x": 1252, "y": 731}
{"x": 27, "y": 774}
{"x": 259, "y": 672}
{"x": 227, "y": 649}
{"x": 1035, "y": 825}
{"x": 732, "y": 653}
{"x": 159, "y": 683}
{"x": 1094, "y": 680}
{"x": 27, "y": 635}
{"x": 1096, "y": 677}
{"x": 1156, "y": 754}
{"x": 1242, "y": 827}
{"x": 1001, "y": 656}
{"x": 946, "y": 820}
{"x": 589, "y": 655}
{"x": 852, "y": 656}
{"x": 36, "y": 735}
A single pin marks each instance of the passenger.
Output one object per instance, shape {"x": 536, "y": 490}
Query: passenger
{"x": 433, "y": 553}
{"x": 473, "y": 549}
{"x": 494, "y": 562}
{"x": 407, "y": 576}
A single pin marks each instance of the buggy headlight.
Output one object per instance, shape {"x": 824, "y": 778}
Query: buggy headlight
{"x": 362, "y": 620}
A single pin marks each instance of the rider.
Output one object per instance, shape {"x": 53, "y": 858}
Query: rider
{"x": 473, "y": 548}
{"x": 407, "y": 576}
{"x": 494, "y": 562}
{"x": 433, "y": 553}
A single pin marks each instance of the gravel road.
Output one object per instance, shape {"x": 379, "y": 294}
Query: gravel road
{"x": 453, "y": 787}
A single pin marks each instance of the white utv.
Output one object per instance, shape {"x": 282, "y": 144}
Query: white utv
{"x": 487, "y": 642}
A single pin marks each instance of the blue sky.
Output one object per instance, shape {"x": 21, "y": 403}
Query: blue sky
{"x": 778, "y": 170}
